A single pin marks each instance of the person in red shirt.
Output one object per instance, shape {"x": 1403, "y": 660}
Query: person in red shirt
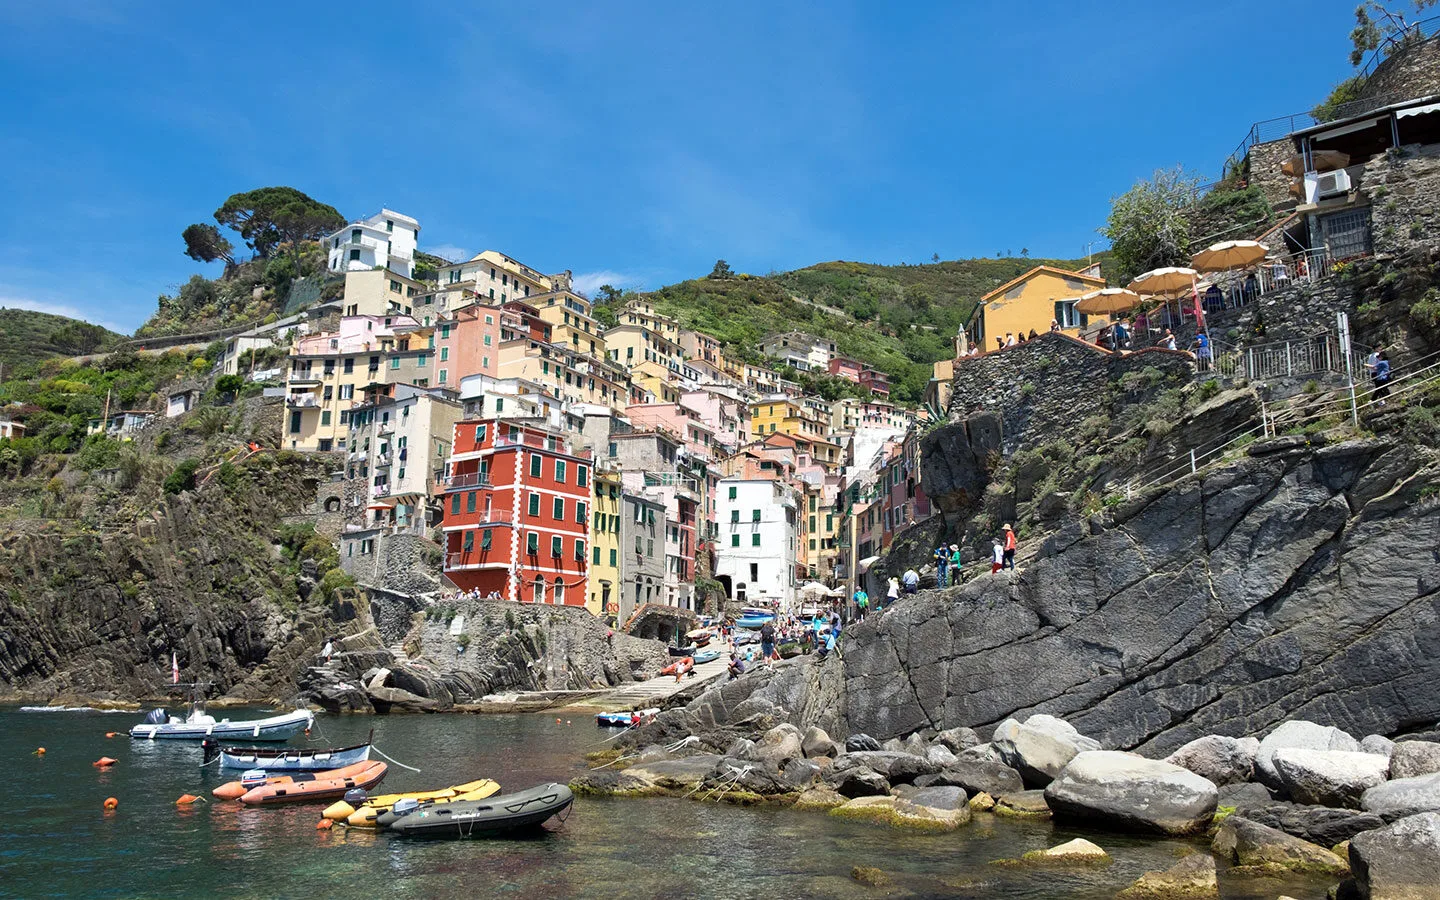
{"x": 1009, "y": 547}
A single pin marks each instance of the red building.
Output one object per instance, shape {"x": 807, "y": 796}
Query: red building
{"x": 846, "y": 368}
{"x": 876, "y": 381}
{"x": 517, "y": 510}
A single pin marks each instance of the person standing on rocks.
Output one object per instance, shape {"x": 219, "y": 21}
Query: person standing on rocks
{"x": 862, "y": 603}
{"x": 955, "y": 563}
{"x": 997, "y": 557}
{"x": 1009, "y": 547}
{"x": 892, "y": 595}
{"x": 767, "y": 644}
{"x": 942, "y": 566}
{"x": 912, "y": 582}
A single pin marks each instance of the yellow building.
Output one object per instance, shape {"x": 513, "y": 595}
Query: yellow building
{"x": 604, "y": 575}
{"x": 631, "y": 345}
{"x": 492, "y": 276}
{"x": 822, "y": 524}
{"x": 570, "y": 322}
{"x": 572, "y": 377}
{"x": 783, "y": 415}
{"x": 657, "y": 380}
{"x": 1030, "y": 303}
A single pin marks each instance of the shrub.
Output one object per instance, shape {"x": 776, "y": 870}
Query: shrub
{"x": 182, "y": 478}
{"x": 1207, "y": 390}
{"x": 1426, "y": 310}
{"x": 98, "y": 452}
{"x": 1417, "y": 229}
{"x": 334, "y": 581}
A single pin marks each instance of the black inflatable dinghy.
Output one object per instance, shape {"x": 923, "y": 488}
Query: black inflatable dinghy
{"x": 493, "y": 815}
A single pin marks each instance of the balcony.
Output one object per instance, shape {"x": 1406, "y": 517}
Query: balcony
{"x": 468, "y": 480}
{"x": 472, "y": 560}
{"x": 302, "y": 401}
{"x": 382, "y": 461}
{"x": 484, "y": 519}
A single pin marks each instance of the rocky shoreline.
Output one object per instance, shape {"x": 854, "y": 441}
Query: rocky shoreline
{"x": 1303, "y": 800}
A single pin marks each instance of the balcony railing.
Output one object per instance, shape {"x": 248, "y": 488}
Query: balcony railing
{"x": 469, "y": 479}
{"x": 302, "y": 401}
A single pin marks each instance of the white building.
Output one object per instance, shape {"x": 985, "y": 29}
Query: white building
{"x": 399, "y": 441}
{"x": 386, "y": 240}
{"x": 517, "y": 399}
{"x": 757, "y": 547}
{"x": 492, "y": 276}
{"x": 805, "y": 352}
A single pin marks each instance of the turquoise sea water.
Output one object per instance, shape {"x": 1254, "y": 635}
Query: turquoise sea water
{"x": 57, "y": 841}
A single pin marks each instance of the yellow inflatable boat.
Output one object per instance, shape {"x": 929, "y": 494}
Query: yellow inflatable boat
{"x": 364, "y": 814}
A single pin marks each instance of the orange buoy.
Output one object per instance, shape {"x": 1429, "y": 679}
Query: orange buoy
{"x": 111, "y": 734}
{"x": 324, "y": 825}
{"x": 103, "y": 762}
{"x": 186, "y": 799}
{"x": 557, "y": 721}
{"x": 111, "y": 803}
{"x": 40, "y": 751}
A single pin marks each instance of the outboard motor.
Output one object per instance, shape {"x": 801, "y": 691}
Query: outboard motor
{"x": 356, "y": 796}
{"x": 156, "y": 716}
{"x": 209, "y": 750}
{"x": 404, "y": 806}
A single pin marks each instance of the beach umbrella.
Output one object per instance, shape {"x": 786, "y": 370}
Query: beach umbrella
{"x": 1107, "y": 301}
{"x": 1228, "y": 255}
{"x": 814, "y": 588}
{"x": 1169, "y": 282}
{"x": 1323, "y": 160}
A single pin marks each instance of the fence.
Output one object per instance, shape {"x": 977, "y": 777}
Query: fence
{"x": 1317, "y": 354}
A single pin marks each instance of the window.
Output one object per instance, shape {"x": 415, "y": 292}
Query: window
{"x": 534, "y": 504}
{"x": 580, "y": 476}
{"x": 444, "y": 332}
{"x": 539, "y": 589}
{"x": 754, "y": 571}
{"x": 394, "y": 286}
{"x": 555, "y": 545}
{"x": 454, "y": 504}
{"x": 639, "y": 545}
{"x": 812, "y": 523}
{"x": 470, "y": 502}
{"x": 442, "y": 376}
{"x": 487, "y": 340}
{"x": 649, "y": 548}
{"x": 734, "y": 517}
{"x": 499, "y": 401}
{"x": 468, "y": 543}
{"x": 355, "y": 254}
{"x": 480, "y": 433}
{"x": 581, "y": 511}
{"x": 485, "y": 539}
{"x": 534, "y": 465}
{"x": 347, "y": 392}
{"x": 324, "y": 417}
{"x": 532, "y": 543}
{"x": 812, "y": 507}
{"x": 349, "y": 366}
{"x": 733, "y": 491}
{"x": 557, "y": 509}
{"x": 421, "y": 360}
{"x": 755, "y": 539}
{"x": 560, "y": 471}
{"x": 754, "y": 515}
{"x": 613, "y": 561}
{"x": 829, "y": 522}
{"x": 812, "y": 544}
{"x": 579, "y": 550}
{"x": 394, "y": 362}
{"x": 735, "y": 540}
{"x": 559, "y": 590}
{"x": 595, "y": 557}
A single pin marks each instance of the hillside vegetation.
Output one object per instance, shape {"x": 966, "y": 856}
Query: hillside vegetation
{"x": 899, "y": 319}
{"x": 29, "y": 337}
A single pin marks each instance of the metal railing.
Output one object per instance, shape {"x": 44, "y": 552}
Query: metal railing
{"x": 302, "y": 401}
{"x": 469, "y": 479}
{"x": 1314, "y": 355}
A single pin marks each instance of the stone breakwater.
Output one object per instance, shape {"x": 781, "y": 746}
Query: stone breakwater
{"x": 1305, "y": 801}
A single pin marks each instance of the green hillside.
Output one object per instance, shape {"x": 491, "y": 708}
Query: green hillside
{"x": 899, "y": 319}
{"x": 28, "y": 337}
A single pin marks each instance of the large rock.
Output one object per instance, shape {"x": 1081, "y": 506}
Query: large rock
{"x": 958, "y": 739}
{"x": 1297, "y": 735}
{"x": 1039, "y": 747}
{"x": 940, "y": 755}
{"x": 1377, "y": 744}
{"x": 1076, "y": 851}
{"x": 1329, "y": 777}
{"x": 1412, "y": 758}
{"x": 1316, "y": 824}
{"x": 1403, "y": 797}
{"x": 1400, "y": 861}
{"x": 799, "y": 774}
{"x": 1222, "y": 760}
{"x": 858, "y": 742}
{"x": 1192, "y": 878}
{"x": 897, "y": 767}
{"x": 1023, "y": 805}
{"x": 1110, "y": 788}
{"x": 816, "y": 743}
{"x": 939, "y": 797}
{"x": 1265, "y": 850}
{"x": 779, "y": 745}
{"x": 899, "y": 813}
{"x": 670, "y": 775}
{"x": 976, "y": 777}
{"x": 859, "y": 782}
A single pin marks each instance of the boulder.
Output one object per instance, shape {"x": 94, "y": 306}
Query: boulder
{"x": 858, "y": 742}
{"x": 799, "y": 774}
{"x": 915, "y": 745}
{"x": 1401, "y": 860}
{"x": 820, "y": 797}
{"x": 939, "y": 797}
{"x": 896, "y": 767}
{"x": 1412, "y": 758}
{"x": 817, "y": 743}
{"x": 1039, "y": 747}
{"x": 1377, "y": 744}
{"x": 1245, "y": 796}
{"x": 732, "y": 778}
{"x": 893, "y": 745}
{"x": 990, "y": 777}
{"x": 1023, "y": 805}
{"x": 1117, "y": 789}
{"x": 1329, "y": 777}
{"x": 779, "y": 745}
{"x": 670, "y": 774}
{"x": 1222, "y": 760}
{"x": 1403, "y": 797}
{"x": 939, "y": 755}
{"x": 1269, "y": 851}
{"x": 957, "y": 739}
{"x": 1076, "y": 851}
{"x": 596, "y": 782}
{"x": 1297, "y": 735}
{"x": 986, "y": 752}
{"x": 741, "y": 748}
{"x": 982, "y": 802}
{"x": 900, "y": 813}
{"x": 1316, "y": 824}
{"x": 859, "y": 782}
{"x": 1193, "y": 878}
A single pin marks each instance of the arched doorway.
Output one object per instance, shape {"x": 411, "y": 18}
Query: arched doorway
{"x": 559, "y": 598}
{"x": 539, "y": 592}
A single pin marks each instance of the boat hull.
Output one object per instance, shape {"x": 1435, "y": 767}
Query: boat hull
{"x": 705, "y": 656}
{"x": 622, "y": 719}
{"x": 316, "y": 788}
{"x": 274, "y": 728}
{"x": 253, "y": 758}
{"x": 526, "y": 810}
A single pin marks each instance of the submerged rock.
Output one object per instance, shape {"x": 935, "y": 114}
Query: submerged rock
{"x": 1330, "y": 777}
{"x": 1114, "y": 789}
{"x": 1023, "y": 805}
{"x": 1264, "y": 850}
{"x": 900, "y": 813}
{"x": 1222, "y": 760}
{"x": 1193, "y": 878}
{"x": 1400, "y": 860}
{"x": 820, "y": 797}
{"x": 1076, "y": 851}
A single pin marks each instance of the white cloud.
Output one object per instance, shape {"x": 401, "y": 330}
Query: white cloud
{"x": 450, "y": 252}
{"x": 59, "y": 309}
{"x": 588, "y": 282}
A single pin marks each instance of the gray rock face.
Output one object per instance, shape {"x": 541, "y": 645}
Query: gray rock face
{"x": 1121, "y": 790}
{"x": 1400, "y": 861}
{"x": 1039, "y": 747}
{"x": 1222, "y": 760}
{"x": 858, "y": 782}
{"x": 1316, "y": 824}
{"x": 1377, "y": 744}
{"x": 1330, "y": 777}
{"x": 1297, "y": 735}
{"x": 1412, "y": 758}
{"x": 1403, "y": 797}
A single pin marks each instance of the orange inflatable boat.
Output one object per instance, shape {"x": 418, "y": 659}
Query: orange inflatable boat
{"x": 302, "y": 786}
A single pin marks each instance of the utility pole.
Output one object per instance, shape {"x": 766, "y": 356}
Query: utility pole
{"x": 1089, "y": 257}
{"x": 1342, "y": 321}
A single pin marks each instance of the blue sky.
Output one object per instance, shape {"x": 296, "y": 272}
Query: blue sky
{"x": 629, "y": 142}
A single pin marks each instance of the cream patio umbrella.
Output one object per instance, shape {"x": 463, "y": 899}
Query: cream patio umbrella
{"x": 1227, "y": 256}
{"x": 1168, "y": 283}
{"x": 1107, "y": 301}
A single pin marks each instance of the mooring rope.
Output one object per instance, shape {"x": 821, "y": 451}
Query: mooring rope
{"x": 392, "y": 759}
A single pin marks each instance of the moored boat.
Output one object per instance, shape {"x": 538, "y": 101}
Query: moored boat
{"x": 309, "y": 787}
{"x": 623, "y": 719}
{"x": 508, "y": 812}
{"x": 285, "y": 759}
{"x": 362, "y": 811}
{"x": 197, "y": 726}
{"x": 707, "y": 655}
{"x": 681, "y": 651}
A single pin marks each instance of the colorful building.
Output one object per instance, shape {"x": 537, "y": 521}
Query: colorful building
{"x": 605, "y": 562}
{"x": 1030, "y": 303}
{"x": 517, "y": 513}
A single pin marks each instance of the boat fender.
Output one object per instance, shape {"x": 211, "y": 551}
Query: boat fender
{"x": 324, "y": 825}
{"x": 111, "y": 734}
{"x": 356, "y": 796}
{"x": 404, "y": 805}
{"x": 103, "y": 762}
{"x": 111, "y": 803}
{"x": 186, "y": 799}
{"x": 39, "y": 751}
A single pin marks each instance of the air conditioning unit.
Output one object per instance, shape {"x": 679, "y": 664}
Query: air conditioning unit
{"x": 1319, "y": 185}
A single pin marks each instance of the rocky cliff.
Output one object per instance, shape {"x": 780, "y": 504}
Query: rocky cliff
{"x": 98, "y": 612}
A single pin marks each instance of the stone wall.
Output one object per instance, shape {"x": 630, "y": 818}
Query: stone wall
{"x": 405, "y": 563}
{"x": 1403, "y": 188}
{"x": 1049, "y": 385}
{"x": 1412, "y": 71}
{"x": 1265, "y": 160}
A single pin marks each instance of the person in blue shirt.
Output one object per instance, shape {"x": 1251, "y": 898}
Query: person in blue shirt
{"x": 1381, "y": 376}
{"x": 942, "y": 565}
{"x": 1201, "y": 349}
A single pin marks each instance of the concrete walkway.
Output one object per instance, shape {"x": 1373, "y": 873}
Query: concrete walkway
{"x": 645, "y": 694}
